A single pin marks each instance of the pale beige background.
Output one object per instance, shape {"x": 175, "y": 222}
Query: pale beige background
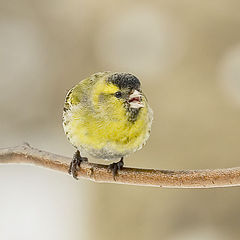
{"x": 187, "y": 55}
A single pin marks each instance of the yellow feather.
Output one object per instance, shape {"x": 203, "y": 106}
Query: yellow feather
{"x": 98, "y": 122}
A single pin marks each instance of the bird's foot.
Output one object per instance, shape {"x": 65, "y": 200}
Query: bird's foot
{"x": 75, "y": 164}
{"x": 115, "y": 167}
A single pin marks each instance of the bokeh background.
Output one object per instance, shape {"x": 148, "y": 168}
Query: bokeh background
{"x": 187, "y": 55}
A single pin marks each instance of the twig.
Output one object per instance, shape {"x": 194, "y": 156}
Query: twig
{"x": 132, "y": 176}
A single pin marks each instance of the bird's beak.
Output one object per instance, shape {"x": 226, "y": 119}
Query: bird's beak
{"x": 135, "y": 100}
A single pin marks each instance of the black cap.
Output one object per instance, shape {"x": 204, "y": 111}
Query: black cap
{"x": 125, "y": 80}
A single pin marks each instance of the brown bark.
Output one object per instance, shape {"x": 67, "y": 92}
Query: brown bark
{"x": 26, "y": 154}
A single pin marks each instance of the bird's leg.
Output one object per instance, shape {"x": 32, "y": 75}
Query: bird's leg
{"x": 75, "y": 164}
{"x": 114, "y": 167}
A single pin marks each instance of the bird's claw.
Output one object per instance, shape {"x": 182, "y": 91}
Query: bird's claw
{"x": 115, "y": 167}
{"x": 75, "y": 164}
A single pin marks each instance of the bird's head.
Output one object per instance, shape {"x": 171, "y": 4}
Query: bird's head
{"x": 118, "y": 94}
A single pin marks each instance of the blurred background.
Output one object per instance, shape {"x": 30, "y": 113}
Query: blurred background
{"x": 187, "y": 56}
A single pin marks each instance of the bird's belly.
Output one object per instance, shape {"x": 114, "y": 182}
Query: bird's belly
{"x": 108, "y": 140}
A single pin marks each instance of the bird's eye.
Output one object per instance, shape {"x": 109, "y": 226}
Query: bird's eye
{"x": 118, "y": 94}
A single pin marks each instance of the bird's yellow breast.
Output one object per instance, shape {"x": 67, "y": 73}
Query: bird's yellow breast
{"x": 100, "y": 136}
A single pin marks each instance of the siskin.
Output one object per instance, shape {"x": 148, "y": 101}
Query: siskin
{"x": 107, "y": 116}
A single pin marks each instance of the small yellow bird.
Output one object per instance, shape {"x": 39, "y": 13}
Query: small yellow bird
{"x": 107, "y": 116}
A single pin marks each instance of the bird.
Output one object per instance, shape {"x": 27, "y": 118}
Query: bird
{"x": 106, "y": 116}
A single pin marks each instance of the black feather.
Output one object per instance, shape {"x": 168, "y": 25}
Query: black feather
{"x": 124, "y": 80}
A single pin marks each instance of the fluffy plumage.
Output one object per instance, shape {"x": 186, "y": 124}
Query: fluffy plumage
{"x": 107, "y": 115}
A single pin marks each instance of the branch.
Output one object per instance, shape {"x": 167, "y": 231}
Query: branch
{"x": 133, "y": 176}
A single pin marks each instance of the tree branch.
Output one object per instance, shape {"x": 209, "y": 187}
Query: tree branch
{"x": 133, "y": 176}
